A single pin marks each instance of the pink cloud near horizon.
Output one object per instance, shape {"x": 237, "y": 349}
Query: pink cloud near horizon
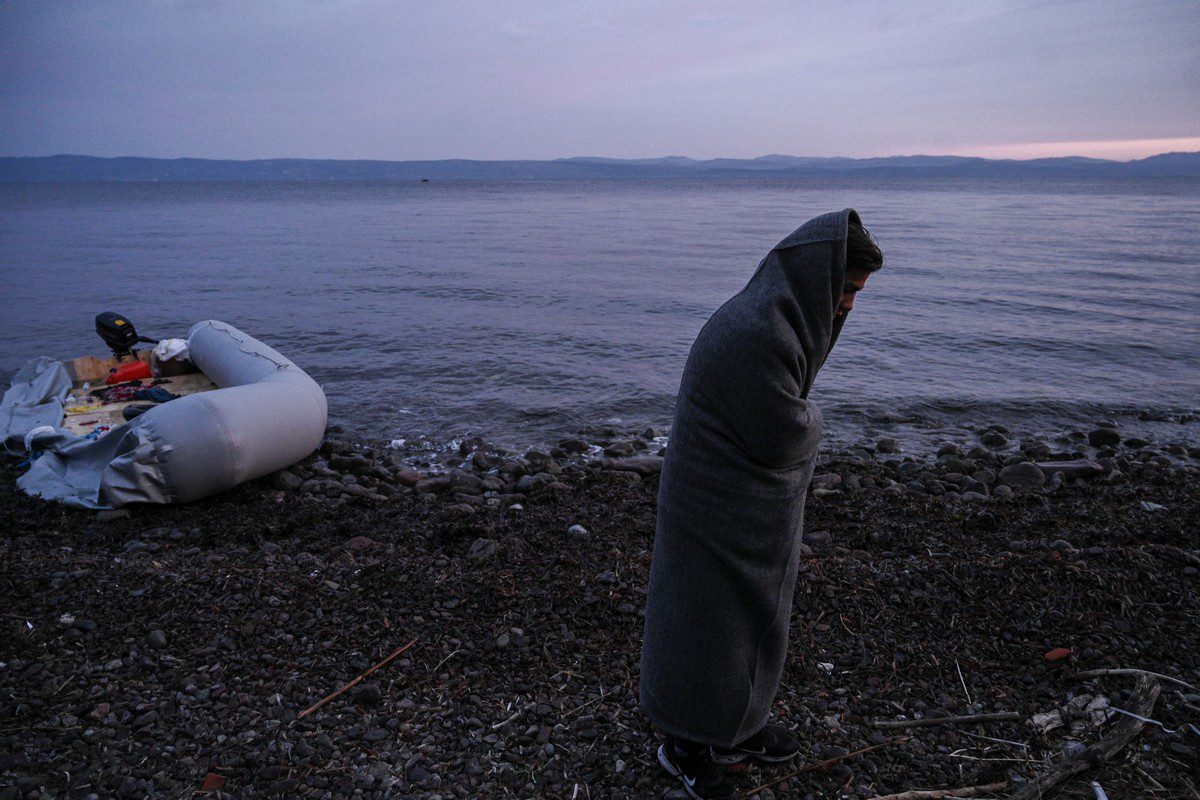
{"x": 1117, "y": 150}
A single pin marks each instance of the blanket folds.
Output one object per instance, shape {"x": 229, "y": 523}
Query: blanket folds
{"x": 731, "y": 498}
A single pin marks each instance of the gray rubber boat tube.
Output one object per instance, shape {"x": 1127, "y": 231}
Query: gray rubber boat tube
{"x": 266, "y": 414}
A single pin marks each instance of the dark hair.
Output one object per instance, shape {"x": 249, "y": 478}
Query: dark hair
{"x": 862, "y": 251}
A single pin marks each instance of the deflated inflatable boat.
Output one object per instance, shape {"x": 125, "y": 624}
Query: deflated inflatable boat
{"x": 264, "y": 415}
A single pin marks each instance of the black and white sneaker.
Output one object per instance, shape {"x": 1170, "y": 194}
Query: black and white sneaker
{"x": 772, "y": 745}
{"x": 701, "y": 778}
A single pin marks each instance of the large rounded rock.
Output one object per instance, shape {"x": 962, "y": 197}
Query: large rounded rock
{"x": 1104, "y": 437}
{"x": 286, "y": 480}
{"x": 993, "y": 439}
{"x": 407, "y": 477}
{"x": 1023, "y": 477}
{"x": 434, "y": 484}
{"x": 465, "y": 483}
{"x": 958, "y": 464}
{"x": 618, "y": 449}
{"x": 828, "y": 481}
{"x": 1077, "y": 468}
{"x": 642, "y": 465}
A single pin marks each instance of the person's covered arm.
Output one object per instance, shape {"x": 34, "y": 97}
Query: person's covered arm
{"x": 750, "y": 392}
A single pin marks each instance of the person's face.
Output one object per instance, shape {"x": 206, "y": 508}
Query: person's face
{"x": 856, "y": 279}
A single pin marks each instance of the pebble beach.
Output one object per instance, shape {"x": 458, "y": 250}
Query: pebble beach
{"x": 165, "y": 651}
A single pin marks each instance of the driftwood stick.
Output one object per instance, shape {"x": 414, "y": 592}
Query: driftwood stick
{"x": 829, "y": 762}
{"x": 1097, "y": 673}
{"x": 395, "y": 654}
{"x": 942, "y": 794}
{"x": 1002, "y": 716}
{"x": 1145, "y": 694}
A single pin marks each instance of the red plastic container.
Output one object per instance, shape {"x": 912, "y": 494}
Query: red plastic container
{"x": 134, "y": 371}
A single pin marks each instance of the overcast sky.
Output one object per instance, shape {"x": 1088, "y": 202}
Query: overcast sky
{"x": 431, "y": 79}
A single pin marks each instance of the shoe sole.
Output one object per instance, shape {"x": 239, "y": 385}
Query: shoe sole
{"x": 674, "y": 772}
{"x": 741, "y": 758}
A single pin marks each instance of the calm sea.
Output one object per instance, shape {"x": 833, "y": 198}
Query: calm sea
{"x": 524, "y": 311}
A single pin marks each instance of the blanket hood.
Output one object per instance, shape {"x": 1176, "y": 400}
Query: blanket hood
{"x": 799, "y": 283}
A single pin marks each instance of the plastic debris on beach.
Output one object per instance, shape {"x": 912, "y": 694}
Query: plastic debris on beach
{"x": 1080, "y": 714}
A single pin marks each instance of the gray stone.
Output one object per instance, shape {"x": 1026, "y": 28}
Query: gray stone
{"x": 887, "y": 445}
{"x": 356, "y": 463}
{"x": 434, "y": 484}
{"x": 157, "y": 639}
{"x": 144, "y": 719}
{"x": 464, "y": 483}
{"x": 830, "y": 480}
{"x": 993, "y": 439}
{"x": 981, "y": 454}
{"x": 407, "y": 477}
{"x": 1036, "y": 449}
{"x": 818, "y": 539}
{"x": 354, "y": 490}
{"x": 617, "y": 449}
{"x": 332, "y": 448}
{"x": 1079, "y": 468}
{"x": 860, "y": 455}
{"x": 984, "y": 476}
{"x": 1023, "y": 476}
{"x": 1104, "y": 437}
{"x": 511, "y": 467}
{"x": 287, "y": 481}
{"x": 957, "y": 464}
{"x": 642, "y": 465}
{"x": 482, "y": 549}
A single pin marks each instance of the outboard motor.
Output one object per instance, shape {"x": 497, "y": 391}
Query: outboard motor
{"x": 119, "y": 334}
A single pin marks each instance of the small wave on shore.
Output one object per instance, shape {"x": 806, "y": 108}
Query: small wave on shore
{"x": 920, "y": 429}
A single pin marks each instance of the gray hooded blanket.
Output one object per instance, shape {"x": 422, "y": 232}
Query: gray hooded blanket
{"x": 731, "y": 498}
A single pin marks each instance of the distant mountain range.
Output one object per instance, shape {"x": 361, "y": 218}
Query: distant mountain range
{"x": 90, "y": 168}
